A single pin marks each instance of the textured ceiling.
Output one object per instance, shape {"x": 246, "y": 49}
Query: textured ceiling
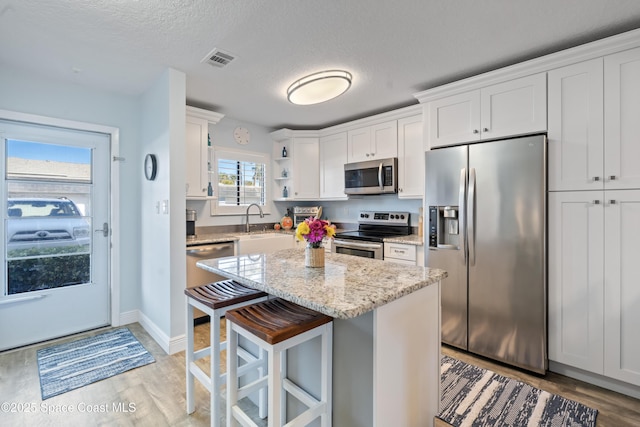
{"x": 393, "y": 48}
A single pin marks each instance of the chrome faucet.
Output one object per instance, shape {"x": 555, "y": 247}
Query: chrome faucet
{"x": 259, "y": 208}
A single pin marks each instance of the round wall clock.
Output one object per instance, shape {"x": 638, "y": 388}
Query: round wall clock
{"x": 242, "y": 135}
{"x": 150, "y": 167}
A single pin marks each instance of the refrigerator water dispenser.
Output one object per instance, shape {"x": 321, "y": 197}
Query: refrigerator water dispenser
{"x": 443, "y": 227}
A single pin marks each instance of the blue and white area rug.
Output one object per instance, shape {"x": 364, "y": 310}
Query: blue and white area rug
{"x": 472, "y": 396}
{"x": 75, "y": 364}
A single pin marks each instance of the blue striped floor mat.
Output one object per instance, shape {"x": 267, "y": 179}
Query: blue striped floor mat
{"x": 75, "y": 364}
{"x": 472, "y": 396}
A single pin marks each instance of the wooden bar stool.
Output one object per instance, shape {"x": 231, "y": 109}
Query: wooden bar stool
{"x": 215, "y": 299}
{"x": 277, "y": 325}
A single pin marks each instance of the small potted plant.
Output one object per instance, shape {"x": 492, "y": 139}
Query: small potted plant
{"x": 313, "y": 231}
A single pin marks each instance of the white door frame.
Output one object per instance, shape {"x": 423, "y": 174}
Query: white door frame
{"x": 114, "y": 269}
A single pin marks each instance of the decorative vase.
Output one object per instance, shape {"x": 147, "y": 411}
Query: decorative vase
{"x": 314, "y": 257}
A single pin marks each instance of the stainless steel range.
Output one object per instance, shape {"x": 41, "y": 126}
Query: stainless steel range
{"x": 373, "y": 228}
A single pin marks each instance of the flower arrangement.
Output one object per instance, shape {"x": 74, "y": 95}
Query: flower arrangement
{"x": 313, "y": 230}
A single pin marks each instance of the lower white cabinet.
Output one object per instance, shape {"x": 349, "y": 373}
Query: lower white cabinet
{"x": 402, "y": 253}
{"x": 594, "y": 297}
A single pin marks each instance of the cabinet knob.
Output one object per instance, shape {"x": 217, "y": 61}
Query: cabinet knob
{"x": 476, "y": 131}
{"x": 596, "y": 178}
{"x": 367, "y": 154}
{"x": 612, "y": 178}
{"x": 204, "y": 190}
{"x": 596, "y": 202}
{"x": 485, "y": 129}
{"x": 613, "y": 202}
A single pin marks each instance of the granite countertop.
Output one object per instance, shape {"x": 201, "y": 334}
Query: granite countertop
{"x": 203, "y": 239}
{"x": 346, "y": 287}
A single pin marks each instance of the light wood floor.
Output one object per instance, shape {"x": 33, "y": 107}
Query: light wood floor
{"x": 154, "y": 395}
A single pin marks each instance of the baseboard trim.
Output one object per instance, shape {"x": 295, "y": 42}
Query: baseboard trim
{"x": 129, "y": 317}
{"x": 595, "y": 379}
{"x": 169, "y": 345}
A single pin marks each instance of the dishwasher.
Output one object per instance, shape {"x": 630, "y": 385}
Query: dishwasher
{"x": 196, "y": 276}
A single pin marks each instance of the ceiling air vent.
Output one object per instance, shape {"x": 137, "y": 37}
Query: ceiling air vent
{"x": 218, "y": 58}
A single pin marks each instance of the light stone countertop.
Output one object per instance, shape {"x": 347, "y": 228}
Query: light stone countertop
{"x": 203, "y": 239}
{"x": 346, "y": 287}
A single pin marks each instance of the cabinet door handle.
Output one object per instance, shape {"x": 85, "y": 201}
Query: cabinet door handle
{"x": 485, "y": 130}
{"x": 596, "y": 202}
{"x": 367, "y": 154}
{"x": 596, "y": 178}
{"x": 612, "y": 201}
{"x": 476, "y": 131}
{"x": 612, "y": 178}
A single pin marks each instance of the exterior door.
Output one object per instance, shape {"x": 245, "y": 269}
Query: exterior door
{"x": 55, "y": 274}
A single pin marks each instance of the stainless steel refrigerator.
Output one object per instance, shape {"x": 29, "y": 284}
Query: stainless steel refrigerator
{"x": 486, "y": 212}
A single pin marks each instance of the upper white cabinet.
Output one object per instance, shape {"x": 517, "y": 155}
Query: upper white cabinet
{"x": 593, "y": 124}
{"x": 514, "y": 107}
{"x": 576, "y": 123}
{"x": 410, "y": 157}
{"x": 622, "y": 124}
{"x": 454, "y": 119}
{"x": 299, "y": 170}
{"x": 379, "y": 141}
{"x": 196, "y": 151}
{"x": 333, "y": 156}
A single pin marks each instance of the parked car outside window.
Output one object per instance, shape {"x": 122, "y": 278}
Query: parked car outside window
{"x": 37, "y": 224}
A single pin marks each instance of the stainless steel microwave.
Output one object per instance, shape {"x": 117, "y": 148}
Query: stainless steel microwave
{"x": 371, "y": 177}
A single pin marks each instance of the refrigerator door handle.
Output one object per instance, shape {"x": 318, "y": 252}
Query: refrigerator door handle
{"x": 471, "y": 207}
{"x": 461, "y": 213}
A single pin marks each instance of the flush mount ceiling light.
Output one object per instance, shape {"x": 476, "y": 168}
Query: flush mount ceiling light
{"x": 319, "y": 87}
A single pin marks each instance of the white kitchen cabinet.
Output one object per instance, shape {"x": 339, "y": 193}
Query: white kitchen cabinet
{"x": 333, "y": 156}
{"x": 594, "y": 300}
{"x": 196, "y": 151}
{"x": 410, "y": 158}
{"x": 454, "y": 119}
{"x": 301, "y": 166}
{"x": 621, "y": 290}
{"x": 515, "y": 107}
{"x": 400, "y": 253}
{"x": 306, "y": 168}
{"x": 593, "y": 124}
{"x": 576, "y": 127}
{"x": 622, "y": 126}
{"x": 379, "y": 141}
{"x": 576, "y": 287}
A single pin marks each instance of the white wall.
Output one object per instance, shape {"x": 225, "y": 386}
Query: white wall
{"x": 34, "y": 94}
{"x": 163, "y": 275}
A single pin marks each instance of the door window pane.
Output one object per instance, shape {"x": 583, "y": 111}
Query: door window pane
{"x": 48, "y": 216}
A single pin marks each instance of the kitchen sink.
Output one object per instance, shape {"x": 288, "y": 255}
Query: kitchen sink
{"x": 264, "y": 242}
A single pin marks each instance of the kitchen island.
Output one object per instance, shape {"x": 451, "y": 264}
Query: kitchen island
{"x": 386, "y": 340}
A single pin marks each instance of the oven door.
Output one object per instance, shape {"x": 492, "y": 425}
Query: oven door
{"x": 360, "y": 248}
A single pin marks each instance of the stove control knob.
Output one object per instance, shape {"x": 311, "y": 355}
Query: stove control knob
{"x": 401, "y": 216}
